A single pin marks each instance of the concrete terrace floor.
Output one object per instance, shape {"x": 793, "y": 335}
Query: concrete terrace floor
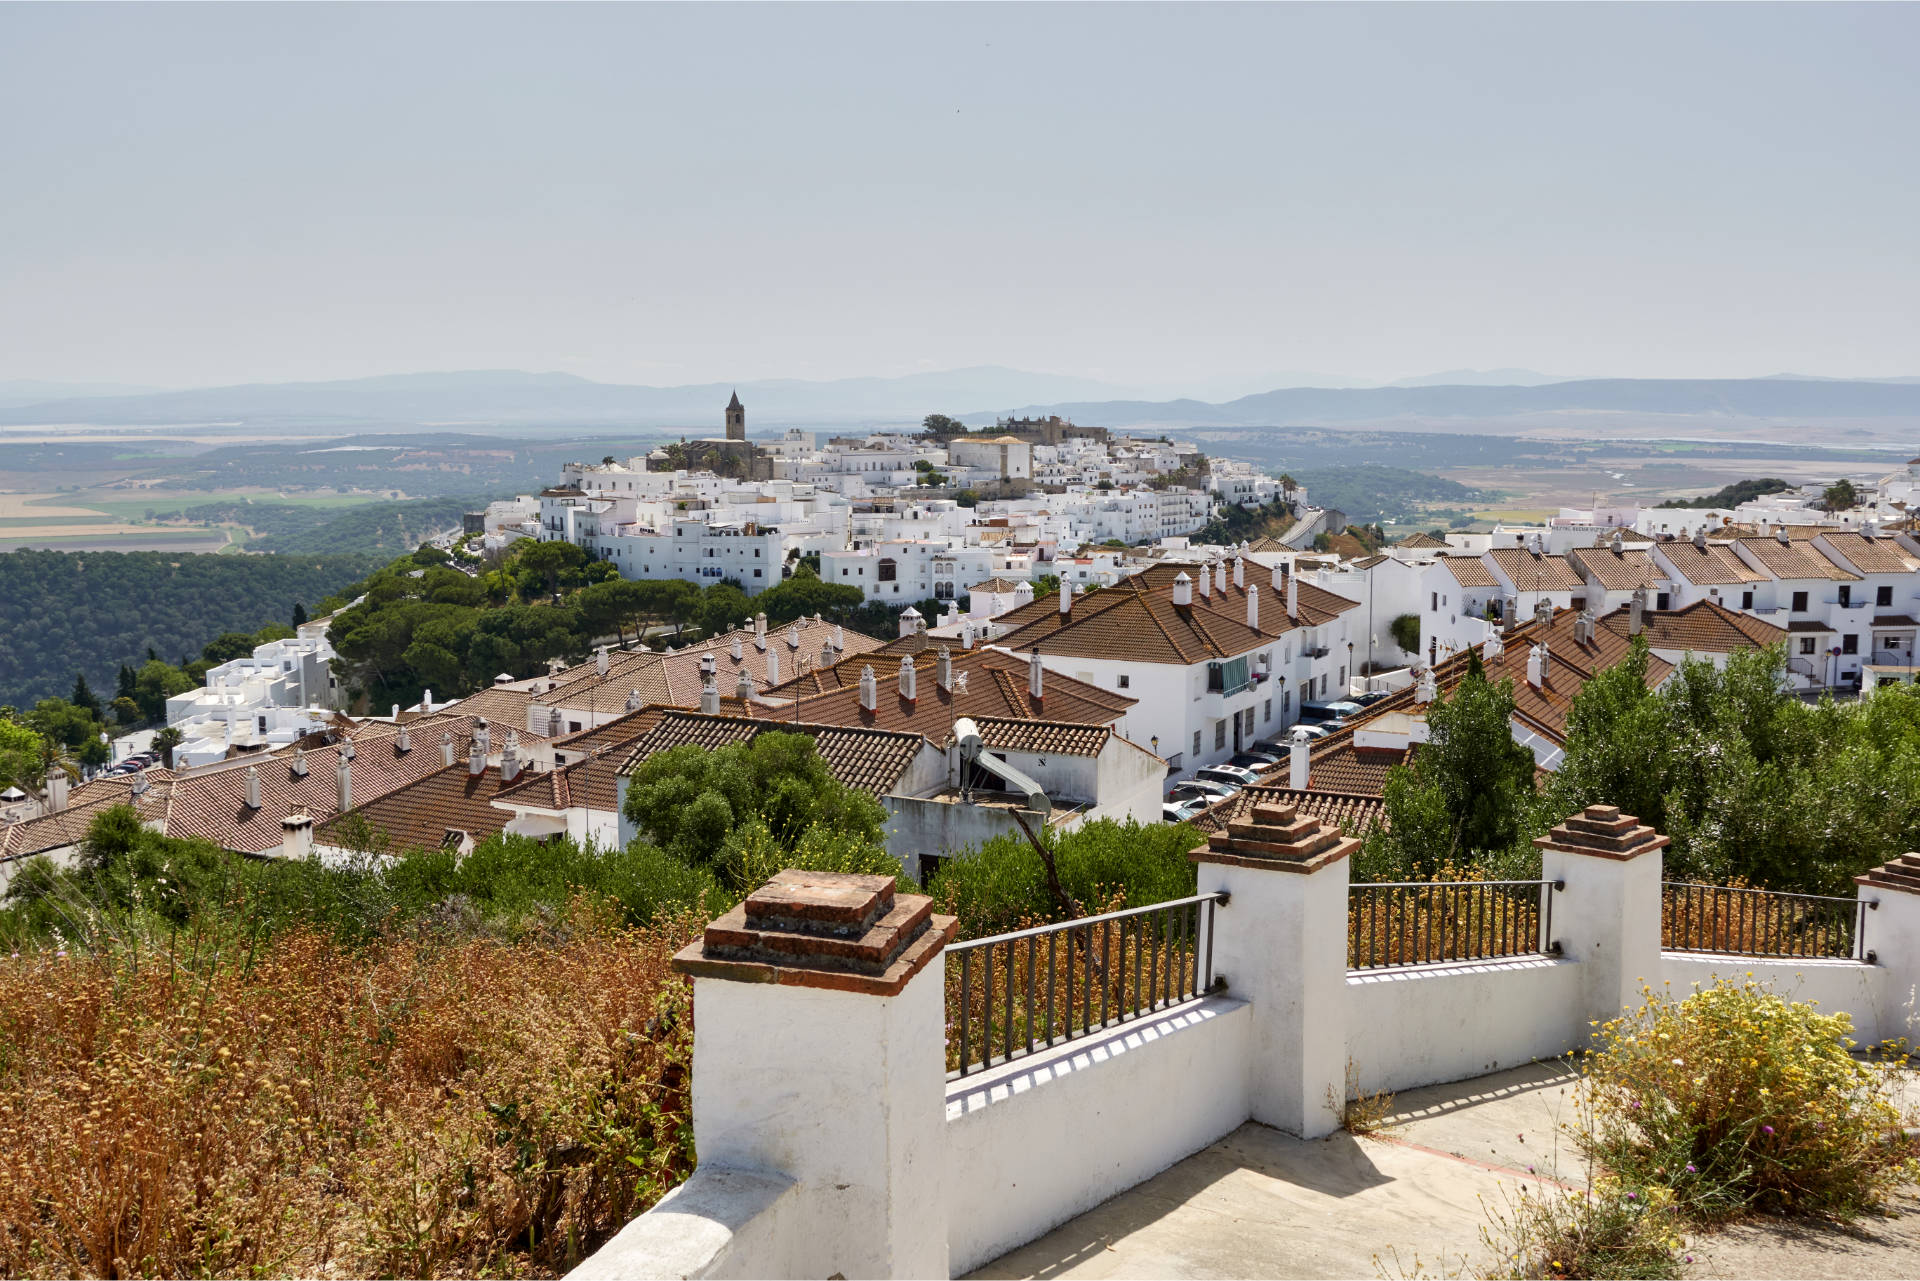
{"x": 1410, "y": 1201}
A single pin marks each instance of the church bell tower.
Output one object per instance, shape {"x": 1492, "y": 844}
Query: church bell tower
{"x": 736, "y": 419}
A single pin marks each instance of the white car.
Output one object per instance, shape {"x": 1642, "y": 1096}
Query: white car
{"x": 1181, "y": 811}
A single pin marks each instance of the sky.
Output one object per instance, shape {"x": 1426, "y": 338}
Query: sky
{"x": 1172, "y": 198}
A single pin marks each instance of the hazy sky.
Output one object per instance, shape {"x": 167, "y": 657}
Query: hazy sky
{"x": 1162, "y": 196}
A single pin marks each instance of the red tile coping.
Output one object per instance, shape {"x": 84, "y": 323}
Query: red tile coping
{"x": 1278, "y": 837}
{"x": 1902, "y": 874}
{"x": 837, "y": 930}
{"x": 1603, "y": 832}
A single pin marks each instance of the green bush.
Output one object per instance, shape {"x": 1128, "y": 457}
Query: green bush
{"x": 1405, "y": 631}
{"x": 1102, "y": 865}
{"x": 1739, "y": 1100}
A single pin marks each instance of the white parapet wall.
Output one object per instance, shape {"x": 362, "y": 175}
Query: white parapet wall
{"x": 1034, "y": 1142}
{"x": 1880, "y": 1008}
{"x": 1432, "y": 1023}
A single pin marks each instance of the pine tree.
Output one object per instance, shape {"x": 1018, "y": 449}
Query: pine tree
{"x": 83, "y": 696}
{"x": 124, "y": 687}
{"x": 299, "y": 613}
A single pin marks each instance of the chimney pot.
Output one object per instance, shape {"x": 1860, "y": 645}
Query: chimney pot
{"x": 1036, "y": 677}
{"x": 345, "y": 778}
{"x": 1182, "y": 589}
{"x": 1066, "y": 597}
{"x": 296, "y": 835}
{"x": 710, "y": 694}
{"x": 1253, "y": 608}
{"x": 909, "y": 679}
{"x": 943, "y": 669}
{"x": 446, "y": 751}
{"x": 869, "y": 689}
{"x": 1299, "y": 760}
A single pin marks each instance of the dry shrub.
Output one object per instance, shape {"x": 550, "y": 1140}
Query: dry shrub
{"x": 1736, "y": 1099}
{"x": 1609, "y": 1232}
{"x": 1738, "y": 920}
{"x": 412, "y": 1108}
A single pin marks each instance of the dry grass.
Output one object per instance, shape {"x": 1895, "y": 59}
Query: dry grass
{"x": 1457, "y": 917}
{"x": 1363, "y": 1112}
{"x": 417, "y": 1108}
{"x": 1731, "y": 920}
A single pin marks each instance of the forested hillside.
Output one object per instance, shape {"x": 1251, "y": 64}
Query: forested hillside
{"x": 62, "y": 612}
{"x": 297, "y": 529}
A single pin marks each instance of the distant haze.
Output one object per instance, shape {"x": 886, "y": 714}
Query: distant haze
{"x": 1156, "y": 201}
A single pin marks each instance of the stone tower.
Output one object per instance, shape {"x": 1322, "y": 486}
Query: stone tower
{"x": 736, "y": 419}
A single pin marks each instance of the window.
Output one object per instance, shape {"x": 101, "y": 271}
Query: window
{"x": 888, "y": 570}
{"x": 1196, "y": 743}
{"x": 1125, "y": 681}
{"x": 1849, "y": 644}
{"x": 1799, "y": 602}
{"x": 1286, "y": 702}
{"x": 1661, "y": 600}
{"x": 1219, "y": 735}
{"x": 756, "y": 573}
{"x": 1746, "y": 600}
{"x": 1266, "y": 711}
{"x": 1433, "y": 600}
{"x": 1806, "y": 644}
{"x": 1883, "y": 596}
{"x": 573, "y": 727}
{"x": 1846, "y": 595}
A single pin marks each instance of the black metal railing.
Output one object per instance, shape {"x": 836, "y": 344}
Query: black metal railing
{"x": 1736, "y": 921}
{"x": 1395, "y": 923}
{"x": 1011, "y": 994}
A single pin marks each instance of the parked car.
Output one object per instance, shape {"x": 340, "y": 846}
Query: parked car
{"x": 1369, "y": 698}
{"x": 1320, "y": 730}
{"x": 1232, "y": 775}
{"x": 1202, "y": 789}
{"x": 1256, "y": 760}
{"x": 1181, "y": 811}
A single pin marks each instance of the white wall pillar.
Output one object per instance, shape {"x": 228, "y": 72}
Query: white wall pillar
{"x": 819, "y": 1054}
{"x": 1607, "y": 916}
{"x": 1281, "y": 944}
{"x": 1892, "y": 937}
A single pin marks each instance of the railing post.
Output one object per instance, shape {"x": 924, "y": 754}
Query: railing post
{"x": 819, "y": 1054}
{"x": 1608, "y": 916}
{"x": 1281, "y": 945}
{"x": 1890, "y": 933}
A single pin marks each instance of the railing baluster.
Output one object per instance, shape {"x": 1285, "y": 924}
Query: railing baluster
{"x": 1050, "y": 980}
{"x": 966, "y": 1008}
{"x": 1139, "y": 946}
{"x": 986, "y": 1030}
{"x": 1008, "y": 1033}
{"x": 1030, "y": 949}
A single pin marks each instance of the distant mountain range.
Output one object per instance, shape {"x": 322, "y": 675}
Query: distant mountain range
{"x": 529, "y": 402}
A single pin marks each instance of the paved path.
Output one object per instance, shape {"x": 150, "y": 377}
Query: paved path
{"x": 1262, "y": 1204}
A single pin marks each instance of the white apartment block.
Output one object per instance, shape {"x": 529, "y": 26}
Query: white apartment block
{"x": 284, "y": 689}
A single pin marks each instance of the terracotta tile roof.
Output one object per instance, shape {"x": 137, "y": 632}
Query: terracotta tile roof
{"x": 1620, "y": 571}
{"x": 867, "y": 759}
{"x": 419, "y": 815}
{"x": 1894, "y": 620}
{"x": 1468, "y": 571}
{"x": 1714, "y": 565}
{"x": 675, "y": 679}
{"x": 1136, "y": 619}
{"x": 1045, "y": 738}
{"x": 1528, "y": 572}
{"x": 608, "y": 738}
{"x": 1703, "y": 627}
{"x": 1358, "y": 771}
{"x": 211, "y": 804}
{"x": 1809, "y": 625}
{"x": 592, "y": 784}
{"x": 58, "y": 831}
{"x": 996, "y": 586}
{"x": 496, "y": 703}
{"x": 1368, "y": 562}
{"x": 1423, "y": 541}
{"x": 1799, "y": 558}
{"x": 1863, "y": 555}
{"x": 996, "y": 687}
{"x": 1354, "y": 814}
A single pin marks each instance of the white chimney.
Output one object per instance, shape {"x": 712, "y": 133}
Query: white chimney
{"x": 396, "y": 713}
{"x": 734, "y": 651}
{"x": 299, "y": 762}
{"x": 773, "y": 667}
{"x": 1220, "y": 576}
{"x": 1619, "y": 543}
{"x": 477, "y": 756}
{"x": 1427, "y": 688}
{"x": 296, "y": 836}
{"x": 1182, "y": 589}
{"x": 1279, "y": 578}
{"x": 600, "y": 663}
{"x": 839, "y": 639}
{"x": 743, "y": 688}
{"x": 253, "y": 787}
{"x": 909, "y": 680}
{"x": 634, "y": 701}
{"x": 510, "y": 758}
{"x": 1700, "y": 538}
{"x": 1253, "y": 608}
{"x": 1036, "y": 678}
{"x": 555, "y": 725}
{"x": 943, "y": 669}
{"x": 1535, "y": 661}
{"x": 426, "y": 700}
{"x": 793, "y": 633}
{"x": 1780, "y": 534}
{"x": 1636, "y": 611}
{"x": 1492, "y": 650}
{"x": 1066, "y": 597}
{"x": 1299, "y": 760}
{"x": 710, "y": 694}
{"x": 966, "y": 634}
{"x": 869, "y": 689}
{"x": 402, "y": 742}
{"x": 344, "y": 776}
{"x": 826, "y": 655}
{"x": 1206, "y": 583}
{"x": 56, "y": 790}
{"x": 446, "y": 751}
{"x": 1239, "y": 571}
{"x": 1293, "y": 596}
{"x": 760, "y": 630}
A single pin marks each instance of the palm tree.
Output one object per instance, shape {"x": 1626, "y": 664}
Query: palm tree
{"x": 1287, "y": 487}
{"x": 165, "y": 740}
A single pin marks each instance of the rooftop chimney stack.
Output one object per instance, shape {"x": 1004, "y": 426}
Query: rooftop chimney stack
{"x": 710, "y": 694}
{"x": 1239, "y": 571}
{"x": 1427, "y": 688}
{"x": 1293, "y": 597}
{"x": 1220, "y": 577}
{"x": 446, "y": 751}
{"x": 510, "y": 758}
{"x": 600, "y": 661}
{"x": 1491, "y": 650}
{"x": 1299, "y": 760}
{"x": 426, "y": 701}
{"x": 476, "y": 756}
{"x": 395, "y": 716}
{"x": 966, "y": 634}
{"x": 793, "y": 633}
{"x": 943, "y": 669}
{"x": 1182, "y": 589}
{"x": 743, "y": 688}
{"x": 484, "y": 737}
{"x": 869, "y": 689}
{"x": 56, "y": 790}
{"x": 1279, "y": 579}
{"x": 403, "y": 741}
{"x": 1780, "y": 534}
{"x": 773, "y": 667}
{"x": 1066, "y": 598}
{"x": 1253, "y": 608}
{"x": 1535, "y": 662}
{"x": 296, "y": 835}
{"x": 760, "y": 629}
{"x": 1700, "y": 538}
{"x": 1618, "y": 544}
{"x": 1036, "y": 678}
{"x": 555, "y": 726}
{"x": 299, "y": 762}
{"x": 839, "y": 639}
{"x": 1206, "y": 583}
{"x": 734, "y": 651}
{"x": 344, "y": 776}
{"x": 909, "y": 680}
{"x": 1636, "y": 612}
{"x": 634, "y": 701}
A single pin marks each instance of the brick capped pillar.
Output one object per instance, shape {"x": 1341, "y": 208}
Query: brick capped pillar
{"x": 819, "y": 1054}
{"x": 1281, "y": 944}
{"x": 1606, "y": 916}
{"x": 1890, "y": 928}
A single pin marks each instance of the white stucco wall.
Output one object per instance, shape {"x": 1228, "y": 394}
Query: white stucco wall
{"x": 1868, "y": 993}
{"x": 1427, "y": 1024}
{"x": 1033, "y": 1143}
